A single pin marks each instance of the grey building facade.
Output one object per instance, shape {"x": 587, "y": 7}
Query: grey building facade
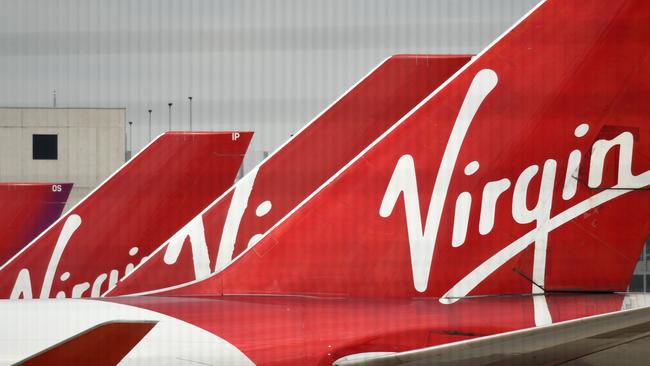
{"x": 78, "y": 145}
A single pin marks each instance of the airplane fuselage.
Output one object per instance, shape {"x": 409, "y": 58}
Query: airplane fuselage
{"x": 284, "y": 330}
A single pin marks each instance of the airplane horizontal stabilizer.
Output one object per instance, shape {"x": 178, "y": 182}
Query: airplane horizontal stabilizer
{"x": 545, "y": 345}
{"x": 102, "y": 345}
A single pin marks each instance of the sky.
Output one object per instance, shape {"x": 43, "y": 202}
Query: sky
{"x": 268, "y": 66}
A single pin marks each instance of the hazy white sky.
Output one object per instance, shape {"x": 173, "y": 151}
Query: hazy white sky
{"x": 266, "y": 66}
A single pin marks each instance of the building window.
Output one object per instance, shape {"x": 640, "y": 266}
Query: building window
{"x": 45, "y": 147}
{"x": 636, "y": 285}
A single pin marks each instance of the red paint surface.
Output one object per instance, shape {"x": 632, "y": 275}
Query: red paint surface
{"x": 104, "y": 345}
{"x": 27, "y": 210}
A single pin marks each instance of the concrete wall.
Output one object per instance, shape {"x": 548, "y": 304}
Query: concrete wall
{"x": 91, "y": 146}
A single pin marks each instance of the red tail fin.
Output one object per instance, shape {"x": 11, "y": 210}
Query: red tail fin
{"x": 27, "y": 210}
{"x": 268, "y": 192}
{"x": 145, "y": 201}
{"x": 492, "y": 185}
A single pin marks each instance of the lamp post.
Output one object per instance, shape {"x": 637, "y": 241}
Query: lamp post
{"x": 130, "y": 137}
{"x": 190, "y": 98}
{"x": 150, "y": 125}
{"x": 170, "y": 116}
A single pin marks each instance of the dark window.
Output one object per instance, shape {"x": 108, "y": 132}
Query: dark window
{"x": 636, "y": 285}
{"x": 45, "y": 147}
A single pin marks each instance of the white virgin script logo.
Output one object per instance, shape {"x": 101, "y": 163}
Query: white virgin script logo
{"x": 422, "y": 240}
{"x": 23, "y": 284}
{"x": 195, "y": 232}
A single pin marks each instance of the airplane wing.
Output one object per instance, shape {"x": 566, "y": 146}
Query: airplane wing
{"x": 552, "y": 344}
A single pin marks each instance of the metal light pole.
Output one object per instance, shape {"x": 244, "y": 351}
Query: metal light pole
{"x": 126, "y": 145}
{"x": 170, "y": 117}
{"x": 130, "y": 137}
{"x": 190, "y": 98}
{"x": 150, "y": 125}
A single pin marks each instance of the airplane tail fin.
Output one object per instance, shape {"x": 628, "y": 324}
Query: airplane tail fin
{"x": 27, "y": 210}
{"x": 528, "y": 171}
{"x": 124, "y": 218}
{"x": 237, "y": 219}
